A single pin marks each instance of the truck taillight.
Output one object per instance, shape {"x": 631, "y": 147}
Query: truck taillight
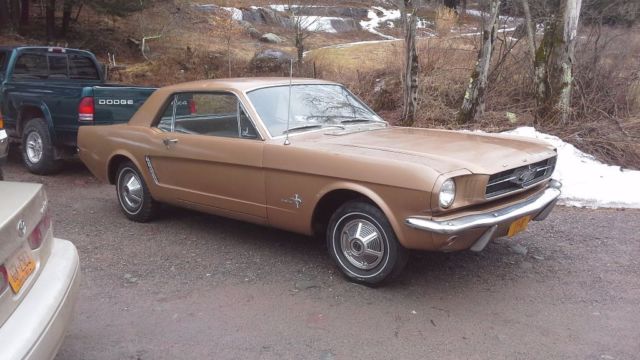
{"x": 38, "y": 234}
{"x": 86, "y": 109}
{"x": 193, "y": 108}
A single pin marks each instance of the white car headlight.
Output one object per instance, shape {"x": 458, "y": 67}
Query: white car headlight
{"x": 447, "y": 193}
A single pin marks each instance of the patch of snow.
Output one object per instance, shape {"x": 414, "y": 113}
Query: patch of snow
{"x": 587, "y": 182}
{"x": 374, "y": 21}
{"x": 236, "y": 14}
{"x": 424, "y": 23}
{"x": 318, "y": 23}
{"x": 504, "y": 18}
{"x": 480, "y": 33}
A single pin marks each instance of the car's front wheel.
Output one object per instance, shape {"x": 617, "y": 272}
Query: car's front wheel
{"x": 364, "y": 245}
{"x": 133, "y": 194}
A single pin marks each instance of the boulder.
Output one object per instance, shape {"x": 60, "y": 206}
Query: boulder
{"x": 345, "y": 25}
{"x": 271, "y": 38}
{"x": 270, "y": 60}
{"x": 254, "y": 33}
{"x": 265, "y": 16}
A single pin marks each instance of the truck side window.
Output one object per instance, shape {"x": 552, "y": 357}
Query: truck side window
{"x": 31, "y": 66}
{"x": 81, "y": 67}
{"x": 58, "y": 67}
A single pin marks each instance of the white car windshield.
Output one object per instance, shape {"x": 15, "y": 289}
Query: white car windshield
{"x": 312, "y": 107}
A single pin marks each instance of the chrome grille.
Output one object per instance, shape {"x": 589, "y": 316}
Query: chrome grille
{"x": 519, "y": 178}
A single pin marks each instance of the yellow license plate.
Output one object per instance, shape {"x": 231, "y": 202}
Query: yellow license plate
{"x": 519, "y": 225}
{"x": 19, "y": 268}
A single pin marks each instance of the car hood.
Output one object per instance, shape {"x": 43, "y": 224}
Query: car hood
{"x": 442, "y": 150}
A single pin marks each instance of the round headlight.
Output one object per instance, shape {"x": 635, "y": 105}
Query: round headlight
{"x": 447, "y": 193}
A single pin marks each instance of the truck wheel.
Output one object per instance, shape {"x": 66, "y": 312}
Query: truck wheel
{"x": 38, "y": 150}
{"x": 363, "y": 244}
{"x": 133, "y": 194}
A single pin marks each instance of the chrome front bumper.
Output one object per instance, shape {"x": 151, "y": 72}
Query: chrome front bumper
{"x": 538, "y": 206}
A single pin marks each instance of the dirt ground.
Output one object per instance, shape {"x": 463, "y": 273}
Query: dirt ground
{"x": 195, "y": 286}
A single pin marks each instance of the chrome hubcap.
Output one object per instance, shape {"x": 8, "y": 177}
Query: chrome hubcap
{"x": 34, "y": 147}
{"x": 130, "y": 190}
{"x": 362, "y": 244}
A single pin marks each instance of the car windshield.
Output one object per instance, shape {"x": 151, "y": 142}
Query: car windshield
{"x": 312, "y": 107}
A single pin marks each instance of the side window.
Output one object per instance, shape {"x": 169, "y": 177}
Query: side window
{"x": 31, "y": 66}
{"x": 81, "y": 67}
{"x": 58, "y": 67}
{"x": 166, "y": 118}
{"x": 212, "y": 114}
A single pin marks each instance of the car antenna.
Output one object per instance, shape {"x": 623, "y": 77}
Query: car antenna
{"x": 286, "y": 139}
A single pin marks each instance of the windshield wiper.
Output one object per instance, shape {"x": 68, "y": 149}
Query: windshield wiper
{"x": 354, "y": 121}
{"x": 303, "y": 127}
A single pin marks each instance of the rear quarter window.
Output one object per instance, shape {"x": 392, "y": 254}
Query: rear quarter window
{"x": 58, "y": 67}
{"x": 31, "y": 66}
{"x": 83, "y": 68}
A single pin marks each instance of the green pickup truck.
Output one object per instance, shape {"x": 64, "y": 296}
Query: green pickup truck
{"x": 46, "y": 93}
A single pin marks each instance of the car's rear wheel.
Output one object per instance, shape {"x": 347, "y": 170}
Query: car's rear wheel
{"x": 364, "y": 245}
{"x": 38, "y": 153}
{"x": 133, "y": 194}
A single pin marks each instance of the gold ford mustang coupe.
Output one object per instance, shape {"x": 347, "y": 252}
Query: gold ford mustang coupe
{"x": 309, "y": 157}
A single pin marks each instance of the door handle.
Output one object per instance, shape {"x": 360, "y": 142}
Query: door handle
{"x": 168, "y": 142}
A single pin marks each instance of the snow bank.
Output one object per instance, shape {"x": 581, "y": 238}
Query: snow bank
{"x": 586, "y": 181}
{"x": 374, "y": 21}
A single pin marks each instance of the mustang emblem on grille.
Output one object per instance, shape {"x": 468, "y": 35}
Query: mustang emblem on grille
{"x": 523, "y": 176}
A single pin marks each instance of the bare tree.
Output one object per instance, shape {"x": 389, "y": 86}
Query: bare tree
{"x": 410, "y": 94}
{"x": 302, "y": 25}
{"x": 474, "y": 97}
{"x": 555, "y": 58}
{"x": 227, "y": 29}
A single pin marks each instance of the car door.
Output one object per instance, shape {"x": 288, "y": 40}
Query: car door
{"x": 208, "y": 153}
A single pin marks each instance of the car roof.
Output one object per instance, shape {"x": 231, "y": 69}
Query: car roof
{"x": 242, "y": 84}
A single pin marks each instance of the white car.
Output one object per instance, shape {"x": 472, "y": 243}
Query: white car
{"x": 39, "y": 275}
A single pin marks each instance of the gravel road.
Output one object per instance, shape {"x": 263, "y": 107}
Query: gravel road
{"x": 194, "y": 286}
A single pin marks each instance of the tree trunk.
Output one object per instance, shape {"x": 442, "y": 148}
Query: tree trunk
{"x": 13, "y": 8}
{"x": 299, "y": 45}
{"x": 67, "y": 7}
{"x": 474, "y": 97}
{"x": 51, "y": 20}
{"x": 411, "y": 63}
{"x": 554, "y": 61}
{"x": 4, "y": 15}
{"x": 24, "y": 13}
{"x": 530, "y": 27}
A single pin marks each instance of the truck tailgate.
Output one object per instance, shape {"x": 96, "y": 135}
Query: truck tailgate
{"x": 118, "y": 104}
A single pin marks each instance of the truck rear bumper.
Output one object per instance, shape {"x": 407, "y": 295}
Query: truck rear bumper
{"x": 36, "y": 328}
